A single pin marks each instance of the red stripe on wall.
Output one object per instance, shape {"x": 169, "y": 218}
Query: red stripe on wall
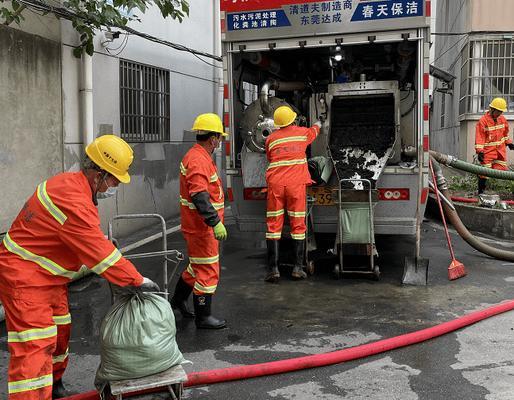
{"x": 225, "y": 91}
{"x": 428, "y": 8}
{"x": 223, "y": 26}
{"x": 426, "y": 81}
{"x": 426, "y": 112}
{"x": 226, "y": 119}
{"x": 230, "y": 194}
{"x": 227, "y": 148}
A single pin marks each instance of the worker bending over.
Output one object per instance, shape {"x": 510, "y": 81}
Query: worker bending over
{"x": 56, "y": 232}
{"x": 491, "y": 138}
{"x": 287, "y": 177}
{"x": 202, "y": 208}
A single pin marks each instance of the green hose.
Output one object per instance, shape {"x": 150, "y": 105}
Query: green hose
{"x": 454, "y": 162}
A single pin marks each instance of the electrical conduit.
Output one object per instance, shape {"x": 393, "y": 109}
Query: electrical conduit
{"x": 325, "y": 359}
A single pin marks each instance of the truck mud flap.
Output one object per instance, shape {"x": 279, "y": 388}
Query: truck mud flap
{"x": 415, "y": 271}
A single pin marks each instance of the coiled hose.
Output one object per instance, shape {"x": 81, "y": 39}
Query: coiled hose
{"x": 452, "y": 214}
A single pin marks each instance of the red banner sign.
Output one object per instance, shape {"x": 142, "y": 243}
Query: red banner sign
{"x": 252, "y": 5}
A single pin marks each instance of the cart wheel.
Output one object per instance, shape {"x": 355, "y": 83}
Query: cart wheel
{"x": 376, "y": 273}
{"x": 336, "y": 272}
{"x": 310, "y": 267}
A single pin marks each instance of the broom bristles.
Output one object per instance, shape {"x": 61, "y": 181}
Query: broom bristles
{"x": 456, "y": 270}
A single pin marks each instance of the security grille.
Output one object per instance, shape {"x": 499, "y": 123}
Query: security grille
{"x": 487, "y": 72}
{"x": 144, "y": 102}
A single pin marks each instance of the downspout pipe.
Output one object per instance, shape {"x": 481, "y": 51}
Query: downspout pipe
{"x": 86, "y": 98}
{"x": 457, "y": 223}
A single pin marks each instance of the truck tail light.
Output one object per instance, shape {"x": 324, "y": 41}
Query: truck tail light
{"x": 393, "y": 194}
{"x": 254, "y": 193}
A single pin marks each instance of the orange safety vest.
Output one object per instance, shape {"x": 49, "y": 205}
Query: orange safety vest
{"x": 492, "y": 136}
{"x": 56, "y": 232}
{"x": 198, "y": 173}
{"x": 285, "y": 150}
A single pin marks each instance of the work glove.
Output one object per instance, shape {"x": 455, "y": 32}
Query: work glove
{"x": 510, "y": 146}
{"x": 480, "y": 157}
{"x": 220, "y": 232}
{"x": 149, "y": 285}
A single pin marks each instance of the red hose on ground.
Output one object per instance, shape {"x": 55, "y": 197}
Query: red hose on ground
{"x": 335, "y": 357}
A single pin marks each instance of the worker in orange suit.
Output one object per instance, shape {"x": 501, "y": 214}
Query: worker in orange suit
{"x": 287, "y": 177}
{"x": 201, "y": 211}
{"x": 491, "y": 138}
{"x": 56, "y": 232}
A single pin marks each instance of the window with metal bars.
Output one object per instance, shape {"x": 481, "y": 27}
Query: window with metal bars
{"x": 144, "y": 102}
{"x": 487, "y": 72}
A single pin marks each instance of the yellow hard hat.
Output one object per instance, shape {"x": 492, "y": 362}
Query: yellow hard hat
{"x": 209, "y": 122}
{"x": 284, "y": 116}
{"x": 113, "y": 155}
{"x": 499, "y": 104}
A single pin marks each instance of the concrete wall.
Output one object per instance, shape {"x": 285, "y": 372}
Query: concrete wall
{"x": 31, "y": 128}
{"x": 492, "y": 15}
{"x": 452, "y": 16}
{"x": 154, "y": 187}
{"x": 457, "y": 135}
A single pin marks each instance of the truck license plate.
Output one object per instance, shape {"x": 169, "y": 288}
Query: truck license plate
{"x": 322, "y": 195}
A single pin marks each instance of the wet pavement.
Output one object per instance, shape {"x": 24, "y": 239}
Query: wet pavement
{"x": 273, "y": 322}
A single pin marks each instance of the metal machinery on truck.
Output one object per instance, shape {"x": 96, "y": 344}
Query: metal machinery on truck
{"x": 362, "y": 63}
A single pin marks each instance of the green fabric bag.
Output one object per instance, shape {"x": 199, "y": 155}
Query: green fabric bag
{"x": 355, "y": 221}
{"x": 137, "y": 339}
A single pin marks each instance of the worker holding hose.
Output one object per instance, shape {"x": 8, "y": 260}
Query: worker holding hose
{"x": 56, "y": 232}
{"x": 491, "y": 140}
{"x": 201, "y": 214}
{"x": 287, "y": 177}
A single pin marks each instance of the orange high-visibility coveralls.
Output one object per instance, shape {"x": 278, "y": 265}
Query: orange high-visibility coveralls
{"x": 198, "y": 173}
{"x": 56, "y": 232}
{"x": 287, "y": 177}
{"x": 490, "y": 138}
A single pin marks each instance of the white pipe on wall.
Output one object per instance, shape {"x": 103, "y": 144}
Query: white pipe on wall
{"x": 217, "y": 76}
{"x": 86, "y": 97}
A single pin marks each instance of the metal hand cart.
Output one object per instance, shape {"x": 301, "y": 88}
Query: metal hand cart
{"x": 173, "y": 378}
{"x": 352, "y": 217}
{"x": 172, "y": 256}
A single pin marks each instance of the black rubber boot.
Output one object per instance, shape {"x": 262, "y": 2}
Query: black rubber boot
{"x": 179, "y": 299}
{"x": 204, "y": 319}
{"x": 481, "y": 185}
{"x": 273, "y": 254}
{"x": 299, "y": 250}
{"x": 59, "y": 392}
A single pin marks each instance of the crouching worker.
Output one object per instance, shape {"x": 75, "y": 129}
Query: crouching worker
{"x": 201, "y": 211}
{"x": 56, "y": 232}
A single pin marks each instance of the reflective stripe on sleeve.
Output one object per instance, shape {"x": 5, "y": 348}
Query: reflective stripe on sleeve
{"x": 287, "y": 163}
{"x": 31, "y": 334}
{"x": 47, "y": 202}
{"x": 191, "y": 206}
{"x": 191, "y": 271}
{"x": 43, "y": 262}
{"x": 61, "y": 358}
{"x": 494, "y": 128}
{"x": 107, "y": 262}
{"x": 183, "y": 169}
{"x": 214, "y": 178}
{"x": 30, "y": 384}
{"x": 62, "y": 319}
{"x": 204, "y": 260}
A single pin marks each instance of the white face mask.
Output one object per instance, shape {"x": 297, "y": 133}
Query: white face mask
{"x": 110, "y": 192}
